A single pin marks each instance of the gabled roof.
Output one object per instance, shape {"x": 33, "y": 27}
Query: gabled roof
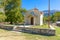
{"x": 34, "y": 12}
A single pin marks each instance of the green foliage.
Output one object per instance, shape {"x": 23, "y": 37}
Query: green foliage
{"x": 2, "y": 17}
{"x": 45, "y": 19}
{"x": 23, "y": 10}
{"x": 57, "y": 16}
{"x": 53, "y": 18}
{"x": 13, "y": 11}
{"x": 2, "y": 2}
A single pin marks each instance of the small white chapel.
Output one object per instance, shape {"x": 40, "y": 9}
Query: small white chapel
{"x": 34, "y": 17}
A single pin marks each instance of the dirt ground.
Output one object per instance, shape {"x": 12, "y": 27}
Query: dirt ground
{"x": 12, "y": 38}
{"x": 10, "y": 35}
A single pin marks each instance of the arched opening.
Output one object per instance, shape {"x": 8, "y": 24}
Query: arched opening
{"x": 32, "y": 20}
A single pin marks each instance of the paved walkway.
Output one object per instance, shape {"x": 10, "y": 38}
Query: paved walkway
{"x": 22, "y": 26}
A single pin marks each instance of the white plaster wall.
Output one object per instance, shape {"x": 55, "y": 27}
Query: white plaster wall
{"x": 41, "y": 19}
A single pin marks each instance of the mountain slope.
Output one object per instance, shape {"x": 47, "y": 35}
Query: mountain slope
{"x": 51, "y": 12}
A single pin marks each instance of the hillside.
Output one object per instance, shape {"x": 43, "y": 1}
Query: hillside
{"x": 51, "y": 12}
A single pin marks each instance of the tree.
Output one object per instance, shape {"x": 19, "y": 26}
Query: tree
{"x": 13, "y": 11}
{"x": 2, "y": 17}
{"x": 57, "y": 16}
{"x": 53, "y": 19}
{"x": 45, "y": 19}
{"x": 23, "y": 10}
{"x": 2, "y": 3}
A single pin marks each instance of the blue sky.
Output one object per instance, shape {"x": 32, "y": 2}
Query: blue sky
{"x": 41, "y": 4}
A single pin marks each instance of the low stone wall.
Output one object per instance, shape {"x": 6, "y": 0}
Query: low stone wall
{"x": 36, "y": 31}
{"x": 49, "y": 32}
{"x": 6, "y": 27}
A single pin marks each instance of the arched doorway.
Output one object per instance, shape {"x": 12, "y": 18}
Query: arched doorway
{"x": 32, "y": 20}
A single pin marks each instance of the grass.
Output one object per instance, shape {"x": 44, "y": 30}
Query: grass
{"x": 42, "y": 26}
{"x": 4, "y": 34}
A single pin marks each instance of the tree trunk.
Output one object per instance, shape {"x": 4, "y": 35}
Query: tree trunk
{"x": 11, "y": 22}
